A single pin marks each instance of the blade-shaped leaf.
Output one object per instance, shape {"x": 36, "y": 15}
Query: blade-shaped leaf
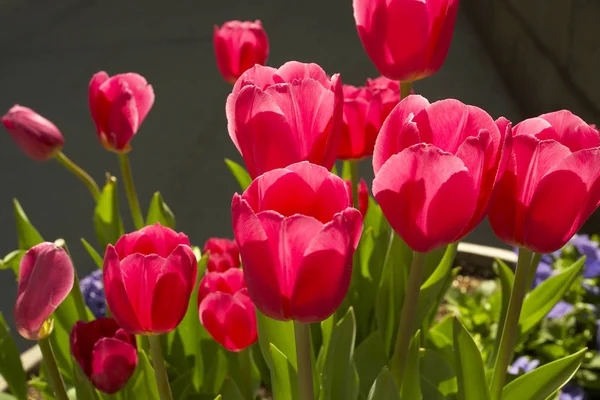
{"x": 507, "y": 278}
{"x": 159, "y": 211}
{"x": 283, "y": 376}
{"x": 211, "y": 365}
{"x": 93, "y": 253}
{"x": 411, "y": 383}
{"x": 278, "y": 333}
{"x": 11, "y": 368}
{"x": 83, "y": 387}
{"x": 13, "y": 261}
{"x": 230, "y": 391}
{"x": 438, "y": 373}
{"x": 107, "y": 219}
{"x": 142, "y": 384}
{"x": 370, "y": 358}
{"x": 27, "y": 234}
{"x": 239, "y": 173}
{"x": 384, "y": 387}
{"x": 470, "y": 371}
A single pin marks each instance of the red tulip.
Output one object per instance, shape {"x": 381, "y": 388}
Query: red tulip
{"x": 390, "y": 92}
{"x": 149, "y": 276}
{"x": 225, "y": 309}
{"x": 277, "y": 117}
{"x": 119, "y": 105}
{"x": 39, "y": 138}
{"x": 46, "y": 277}
{"x": 363, "y": 196}
{"x": 551, "y": 185}
{"x": 106, "y": 353}
{"x": 435, "y": 167}
{"x": 406, "y": 39}
{"x": 238, "y": 46}
{"x": 223, "y": 254}
{"x": 297, "y": 231}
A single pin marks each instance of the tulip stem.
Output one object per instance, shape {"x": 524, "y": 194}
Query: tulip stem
{"x": 354, "y": 181}
{"x": 407, "y": 317}
{"x": 511, "y": 323}
{"x": 79, "y": 173}
{"x": 56, "y": 380}
{"x": 134, "y": 204}
{"x": 405, "y": 87}
{"x": 245, "y": 365}
{"x": 160, "y": 371}
{"x": 303, "y": 355}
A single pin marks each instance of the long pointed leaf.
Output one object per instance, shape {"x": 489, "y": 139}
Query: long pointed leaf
{"x": 470, "y": 371}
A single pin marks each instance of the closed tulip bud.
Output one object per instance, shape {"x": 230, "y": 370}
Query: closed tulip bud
{"x": 363, "y": 196}
{"x": 225, "y": 309}
{"x": 223, "y": 254}
{"x": 297, "y": 232}
{"x": 46, "y": 277}
{"x": 149, "y": 276}
{"x": 550, "y": 187}
{"x": 39, "y": 138}
{"x": 106, "y": 353}
{"x": 119, "y": 104}
{"x": 239, "y": 46}
{"x": 435, "y": 168}
{"x": 406, "y": 39}
{"x": 277, "y": 117}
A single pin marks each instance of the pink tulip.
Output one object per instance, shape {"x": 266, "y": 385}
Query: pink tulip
{"x": 406, "y": 39}
{"x": 363, "y": 196}
{"x": 223, "y": 254}
{"x": 390, "y": 92}
{"x": 297, "y": 231}
{"x": 435, "y": 168}
{"x": 46, "y": 277}
{"x": 239, "y": 46}
{"x": 225, "y": 309}
{"x": 119, "y": 104}
{"x": 149, "y": 276}
{"x": 106, "y": 353}
{"x": 277, "y": 117}
{"x": 551, "y": 185}
{"x": 39, "y": 138}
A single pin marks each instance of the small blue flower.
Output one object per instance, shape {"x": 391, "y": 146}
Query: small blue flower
{"x": 591, "y": 250}
{"x": 543, "y": 272}
{"x": 522, "y": 365}
{"x": 92, "y": 289}
{"x": 572, "y": 391}
{"x": 561, "y": 309}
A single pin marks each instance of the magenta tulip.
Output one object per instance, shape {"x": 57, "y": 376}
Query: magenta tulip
{"x": 551, "y": 185}
{"x": 277, "y": 117}
{"x": 46, "y": 277}
{"x": 435, "y": 168}
{"x": 223, "y": 254}
{"x": 39, "y": 138}
{"x": 119, "y": 104}
{"x": 297, "y": 231}
{"x": 406, "y": 39}
{"x": 363, "y": 196}
{"x": 149, "y": 276}
{"x": 106, "y": 353}
{"x": 239, "y": 46}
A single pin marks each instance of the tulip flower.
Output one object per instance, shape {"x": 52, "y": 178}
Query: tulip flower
{"x": 225, "y": 309}
{"x": 239, "y": 46}
{"x": 39, "y": 138}
{"x": 46, "y": 277}
{"x": 390, "y": 93}
{"x": 106, "y": 353}
{"x": 119, "y": 104}
{"x": 363, "y": 196}
{"x": 297, "y": 232}
{"x": 550, "y": 187}
{"x": 406, "y": 39}
{"x": 435, "y": 168}
{"x": 277, "y": 117}
{"x": 149, "y": 276}
{"x": 223, "y": 254}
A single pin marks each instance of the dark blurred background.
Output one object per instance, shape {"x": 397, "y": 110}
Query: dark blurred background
{"x": 50, "y": 50}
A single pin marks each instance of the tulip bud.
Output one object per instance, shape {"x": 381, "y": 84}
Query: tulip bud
{"x": 106, "y": 353}
{"x": 363, "y": 196}
{"x": 119, "y": 104}
{"x": 223, "y": 254}
{"x": 239, "y": 46}
{"x": 46, "y": 277}
{"x": 39, "y": 138}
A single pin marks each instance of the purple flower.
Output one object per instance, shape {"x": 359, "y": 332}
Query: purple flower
{"x": 522, "y": 365}
{"x": 591, "y": 251}
{"x": 572, "y": 391}
{"x": 543, "y": 272}
{"x": 561, "y": 309}
{"x": 92, "y": 289}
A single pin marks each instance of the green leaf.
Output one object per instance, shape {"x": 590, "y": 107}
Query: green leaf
{"x": 545, "y": 296}
{"x": 472, "y": 384}
{"x": 93, "y": 253}
{"x": 230, "y": 391}
{"x": 211, "y": 365}
{"x": 370, "y": 358}
{"x": 142, "y": 384}
{"x": 545, "y": 380}
{"x": 83, "y": 387}
{"x": 278, "y": 333}
{"x": 11, "y": 368}
{"x": 13, "y": 261}
{"x": 346, "y": 170}
{"x": 239, "y": 173}
{"x": 411, "y": 385}
{"x": 6, "y": 396}
{"x": 283, "y": 376}
{"x": 384, "y": 387}
{"x": 65, "y": 316}
{"x": 326, "y": 330}
{"x": 339, "y": 376}
{"x": 507, "y": 278}
{"x": 159, "y": 211}
{"x": 438, "y": 373}
{"x": 107, "y": 220}
{"x": 27, "y": 234}
{"x": 182, "y": 385}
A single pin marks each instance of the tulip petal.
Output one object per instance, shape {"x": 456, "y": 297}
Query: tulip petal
{"x": 427, "y": 195}
{"x": 572, "y": 131}
{"x": 442, "y": 29}
{"x": 170, "y": 299}
{"x": 212, "y": 313}
{"x": 294, "y": 70}
{"x": 153, "y": 239}
{"x": 123, "y": 119}
{"x": 223, "y": 55}
{"x": 240, "y": 323}
{"x": 98, "y": 113}
{"x": 84, "y": 336}
{"x": 114, "y": 362}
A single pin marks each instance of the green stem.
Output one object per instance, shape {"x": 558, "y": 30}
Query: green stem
{"x": 134, "y": 204}
{"x": 405, "y": 87}
{"x": 354, "y": 181}
{"x": 79, "y": 173}
{"x": 303, "y": 354}
{"x": 56, "y": 380}
{"x": 535, "y": 261}
{"x": 511, "y": 323}
{"x": 407, "y": 317}
{"x": 79, "y": 301}
{"x": 245, "y": 368}
{"x": 160, "y": 371}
